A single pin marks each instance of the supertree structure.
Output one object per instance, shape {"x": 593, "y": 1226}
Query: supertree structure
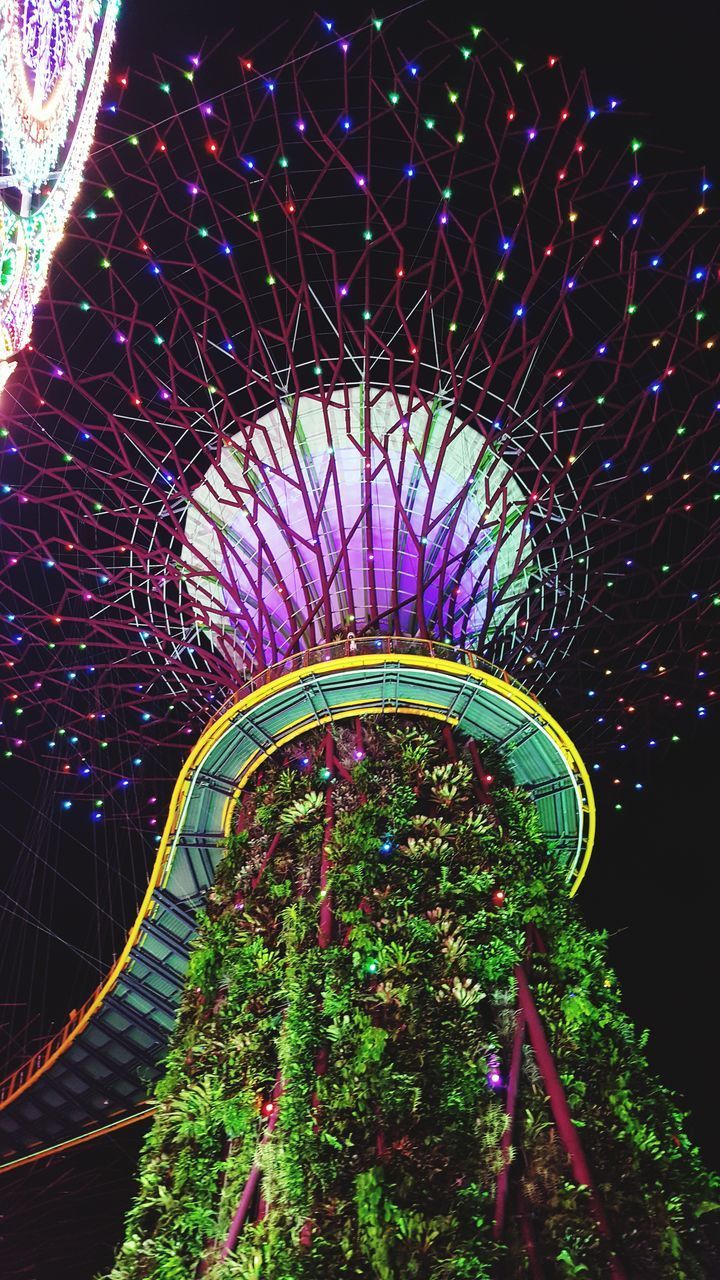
{"x": 372, "y": 399}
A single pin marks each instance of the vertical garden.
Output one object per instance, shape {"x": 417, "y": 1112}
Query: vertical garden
{"x": 400, "y": 1051}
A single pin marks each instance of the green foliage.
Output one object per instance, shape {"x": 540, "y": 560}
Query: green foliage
{"x": 384, "y": 1159}
{"x": 302, "y": 810}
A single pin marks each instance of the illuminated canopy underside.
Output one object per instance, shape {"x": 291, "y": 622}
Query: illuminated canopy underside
{"x": 356, "y": 511}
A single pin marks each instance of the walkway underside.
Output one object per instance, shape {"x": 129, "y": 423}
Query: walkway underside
{"x": 99, "y": 1069}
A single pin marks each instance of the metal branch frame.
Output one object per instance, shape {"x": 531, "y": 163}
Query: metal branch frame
{"x": 432, "y": 259}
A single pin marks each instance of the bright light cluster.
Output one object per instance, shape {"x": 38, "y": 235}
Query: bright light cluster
{"x": 45, "y": 49}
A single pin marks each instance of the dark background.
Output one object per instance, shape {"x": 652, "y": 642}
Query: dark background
{"x": 652, "y": 881}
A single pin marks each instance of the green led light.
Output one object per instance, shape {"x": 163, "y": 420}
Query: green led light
{"x": 270, "y": 280}
{"x": 367, "y": 234}
{"x": 394, "y": 98}
{"x": 429, "y": 123}
{"x": 447, "y": 193}
{"x": 202, "y": 231}
{"x": 134, "y": 141}
{"x": 104, "y": 262}
{"x": 165, "y": 87}
{"x": 632, "y": 309}
{"x": 84, "y": 306}
{"x": 635, "y": 145}
{"x": 283, "y": 162}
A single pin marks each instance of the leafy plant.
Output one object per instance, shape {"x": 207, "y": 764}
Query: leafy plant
{"x": 376, "y": 1053}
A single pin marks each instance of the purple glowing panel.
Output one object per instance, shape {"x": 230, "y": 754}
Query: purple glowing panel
{"x": 357, "y": 509}
{"x": 49, "y": 31}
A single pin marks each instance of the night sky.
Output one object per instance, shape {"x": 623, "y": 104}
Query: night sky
{"x": 652, "y": 879}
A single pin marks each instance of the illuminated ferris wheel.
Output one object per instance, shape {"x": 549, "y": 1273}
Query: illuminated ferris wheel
{"x": 54, "y": 57}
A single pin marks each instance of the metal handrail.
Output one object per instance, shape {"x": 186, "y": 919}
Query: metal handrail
{"x": 352, "y": 646}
